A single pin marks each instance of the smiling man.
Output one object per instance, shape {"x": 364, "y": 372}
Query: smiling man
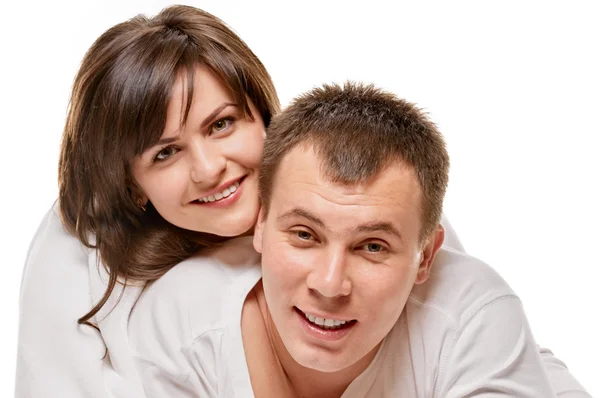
{"x": 352, "y": 185}
{"x": 357, "y": 294}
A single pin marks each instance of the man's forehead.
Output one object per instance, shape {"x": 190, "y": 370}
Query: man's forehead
{"x": 303, "y": 169}
{"x": 385, "y": 202}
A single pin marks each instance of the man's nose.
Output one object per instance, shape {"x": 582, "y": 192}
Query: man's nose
{"x": 330, "y": 277}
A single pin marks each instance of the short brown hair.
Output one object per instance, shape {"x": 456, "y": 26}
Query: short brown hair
{"x": 357, "y": 130}
{"x": 118, "y": 109}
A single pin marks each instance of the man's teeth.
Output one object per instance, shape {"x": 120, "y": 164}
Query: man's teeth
{"x": 325, "y": 323}
{"x": 223, "y": 194}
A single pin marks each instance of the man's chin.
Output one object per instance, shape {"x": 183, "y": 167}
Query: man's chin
{"x": 318, "y": 359}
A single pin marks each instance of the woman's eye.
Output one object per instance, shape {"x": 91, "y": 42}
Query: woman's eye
{"x": 222, "y": 124}
{"x": 166, "y": 153}
{"x": 373, "y": 247}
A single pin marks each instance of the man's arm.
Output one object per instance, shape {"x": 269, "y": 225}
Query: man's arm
{"x": 563, "y": 382}
{"x": 494, "y": 355}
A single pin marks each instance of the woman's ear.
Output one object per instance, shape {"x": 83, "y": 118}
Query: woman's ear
{"x": 137, "y": 195}
{"x": 434, "y": 242}
{"x": 141, "y": 203}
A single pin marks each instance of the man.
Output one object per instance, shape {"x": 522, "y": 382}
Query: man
{"x": 352, "y": 185}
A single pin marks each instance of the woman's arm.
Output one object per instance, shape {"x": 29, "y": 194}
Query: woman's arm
{"x": 56, "y": 356}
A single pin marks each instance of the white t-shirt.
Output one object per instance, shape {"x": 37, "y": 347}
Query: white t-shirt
{"x": 462, "y": 333}
{"x": 58, "y": 358}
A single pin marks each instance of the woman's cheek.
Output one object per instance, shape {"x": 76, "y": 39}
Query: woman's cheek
{"x": 252, "y": 148}
{"x": 169, "y": 185}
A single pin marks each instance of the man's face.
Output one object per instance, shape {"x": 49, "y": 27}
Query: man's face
{"x": 339, "y": 262}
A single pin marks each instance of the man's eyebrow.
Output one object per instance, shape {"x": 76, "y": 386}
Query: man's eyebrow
{"x": 376, "y": 226}
{"x": 207, "y": 120}
{"x": 300, "y": 212}
{"x": 379, "y": 226}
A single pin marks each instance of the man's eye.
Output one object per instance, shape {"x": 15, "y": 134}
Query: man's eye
{"x": 373, "y": 247}
{"x": 165, "y": 153}
{"x": 303, "y": 235}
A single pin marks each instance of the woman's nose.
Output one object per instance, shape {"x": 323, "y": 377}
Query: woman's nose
{"x": 208, "y": 163}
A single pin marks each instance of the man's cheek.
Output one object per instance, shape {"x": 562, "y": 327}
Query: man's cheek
{"x": 280, "y": 273}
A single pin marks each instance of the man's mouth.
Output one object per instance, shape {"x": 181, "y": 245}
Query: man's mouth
{"x": 327, "y": 323}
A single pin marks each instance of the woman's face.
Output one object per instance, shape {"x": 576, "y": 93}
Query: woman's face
{"x": 203, "y": 175}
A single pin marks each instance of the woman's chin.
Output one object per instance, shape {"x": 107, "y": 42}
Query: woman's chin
{"x": 237, "y": 228}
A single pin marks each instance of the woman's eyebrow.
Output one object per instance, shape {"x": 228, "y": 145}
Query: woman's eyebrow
{"x": 163, "y": 141}
{"x": 215, "y": 112}
{"x": 207, "y": 120}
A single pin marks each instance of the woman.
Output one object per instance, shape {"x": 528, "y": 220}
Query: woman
{"x": 105, "y": 186}
{"x": 141, "y": 200}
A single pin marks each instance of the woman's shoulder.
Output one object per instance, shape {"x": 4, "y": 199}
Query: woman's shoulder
{"x": 57, "y": 256}
{"x": 52, "y": 239}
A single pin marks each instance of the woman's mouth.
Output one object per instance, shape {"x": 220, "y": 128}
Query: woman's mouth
{"x": 221, "y": 195}
{"x": 225, "y": 196}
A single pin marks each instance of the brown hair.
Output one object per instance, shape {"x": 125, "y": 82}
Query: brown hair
{"x": 357, "y": 130}
{"x": 118, "y": 109}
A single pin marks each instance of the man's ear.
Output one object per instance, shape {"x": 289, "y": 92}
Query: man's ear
{"x": 258, "y": 230}
{"x": 428, "y": 253}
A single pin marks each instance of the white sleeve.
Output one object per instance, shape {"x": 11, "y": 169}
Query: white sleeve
{"x": 56, "y": 357}
{"x": 451, "y": 239}
{"x": 176, "y": 356}
{"x": 494, "y": 355}
{"x": 199, "y": 379}
{"x": 563, "y": 382}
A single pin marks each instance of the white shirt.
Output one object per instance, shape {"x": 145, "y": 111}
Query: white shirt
{"x": 462, "y": 333}
{"x": 59, "y": 358}
{"x": 56, "y": 357}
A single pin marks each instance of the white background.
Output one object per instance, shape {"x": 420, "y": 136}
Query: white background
{"x": 514, "y": 87}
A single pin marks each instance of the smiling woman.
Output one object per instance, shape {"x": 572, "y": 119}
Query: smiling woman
{"x": 159, "y": 159}
{"x": 147, "y": 81}
{"x": 202, "y": 174}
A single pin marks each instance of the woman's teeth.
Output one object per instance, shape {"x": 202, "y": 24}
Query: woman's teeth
{"x": 325, "y": 323}
{"x": 220, "y": 195}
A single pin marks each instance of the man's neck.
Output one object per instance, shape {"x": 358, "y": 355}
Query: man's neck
{"x": 309, "y": 382}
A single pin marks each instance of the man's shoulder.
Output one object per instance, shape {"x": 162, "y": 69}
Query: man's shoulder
{"x": 208, "y": 275}
{"x": 195, "y": 277}
{"x": 191, "y": 297}
{"x": 190, "y": 305}
{"x": 459, "y": 286}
